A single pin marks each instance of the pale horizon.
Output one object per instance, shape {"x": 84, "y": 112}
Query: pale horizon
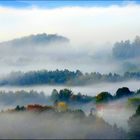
{"x": 96, "y": 25}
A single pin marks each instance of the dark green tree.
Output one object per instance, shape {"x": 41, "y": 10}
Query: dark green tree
{"x": 123, "y": 92}
{"x": 65, "y": 94}
{"x": 104, "y": 97}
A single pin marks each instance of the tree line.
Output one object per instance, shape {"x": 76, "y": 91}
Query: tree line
{"x": 64, "y": 77}
{"x": 64, "y": 95}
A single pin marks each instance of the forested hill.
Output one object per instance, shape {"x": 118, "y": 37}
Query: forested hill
{"x": 35, "y": 40}
{"x": 64, "y": 77}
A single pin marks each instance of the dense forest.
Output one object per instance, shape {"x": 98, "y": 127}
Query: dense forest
{"x": 64, "y": 77}
{"x": 76, "y": 123}
{"x": 66, "y": 95}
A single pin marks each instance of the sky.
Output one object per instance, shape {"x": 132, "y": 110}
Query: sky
{"x": 62, "y": 3}
{"x": 89, "y": 22}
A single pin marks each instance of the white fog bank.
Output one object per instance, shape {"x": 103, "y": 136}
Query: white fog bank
{"x": 89, "y": 90}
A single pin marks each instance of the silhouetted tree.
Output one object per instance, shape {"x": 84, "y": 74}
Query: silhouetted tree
{"x": 104, "y": 97}
{"x": 123, "y": 92}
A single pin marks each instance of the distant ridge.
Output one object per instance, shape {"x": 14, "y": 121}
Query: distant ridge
{"x": 36, "y": 40}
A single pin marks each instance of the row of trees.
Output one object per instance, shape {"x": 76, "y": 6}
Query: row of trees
{"x": 126, "y": 49}
{"x": 24, "y": 97}
{"x": 103, "y": 97}
{"x": 64, "y": 77}
{"x": 67, "y": 95}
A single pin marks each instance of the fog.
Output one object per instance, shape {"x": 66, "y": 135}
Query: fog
{"x": 86, "y": 90}
{"x": 88, "y": 57}
{"x": 117, "y": 112}
{"x": 50, "y": 125}
{"x": 83, "y": 24}
{"x": 89, "y": 46}
{"x": 111, "y": 113}
{"x": 91, "y": 33}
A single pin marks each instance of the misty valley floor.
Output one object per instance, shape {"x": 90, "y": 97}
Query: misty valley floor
{"x": 34, "y": 115}
{"x": 56, "y": 125}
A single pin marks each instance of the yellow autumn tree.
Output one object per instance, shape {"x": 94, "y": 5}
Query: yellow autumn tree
{"x": 62, "y": 106}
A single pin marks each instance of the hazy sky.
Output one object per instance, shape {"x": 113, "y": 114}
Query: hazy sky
{"x": 84, "y": 22}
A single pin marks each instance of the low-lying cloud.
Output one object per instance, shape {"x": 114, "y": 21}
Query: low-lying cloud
{"x": 50, "y": 125}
